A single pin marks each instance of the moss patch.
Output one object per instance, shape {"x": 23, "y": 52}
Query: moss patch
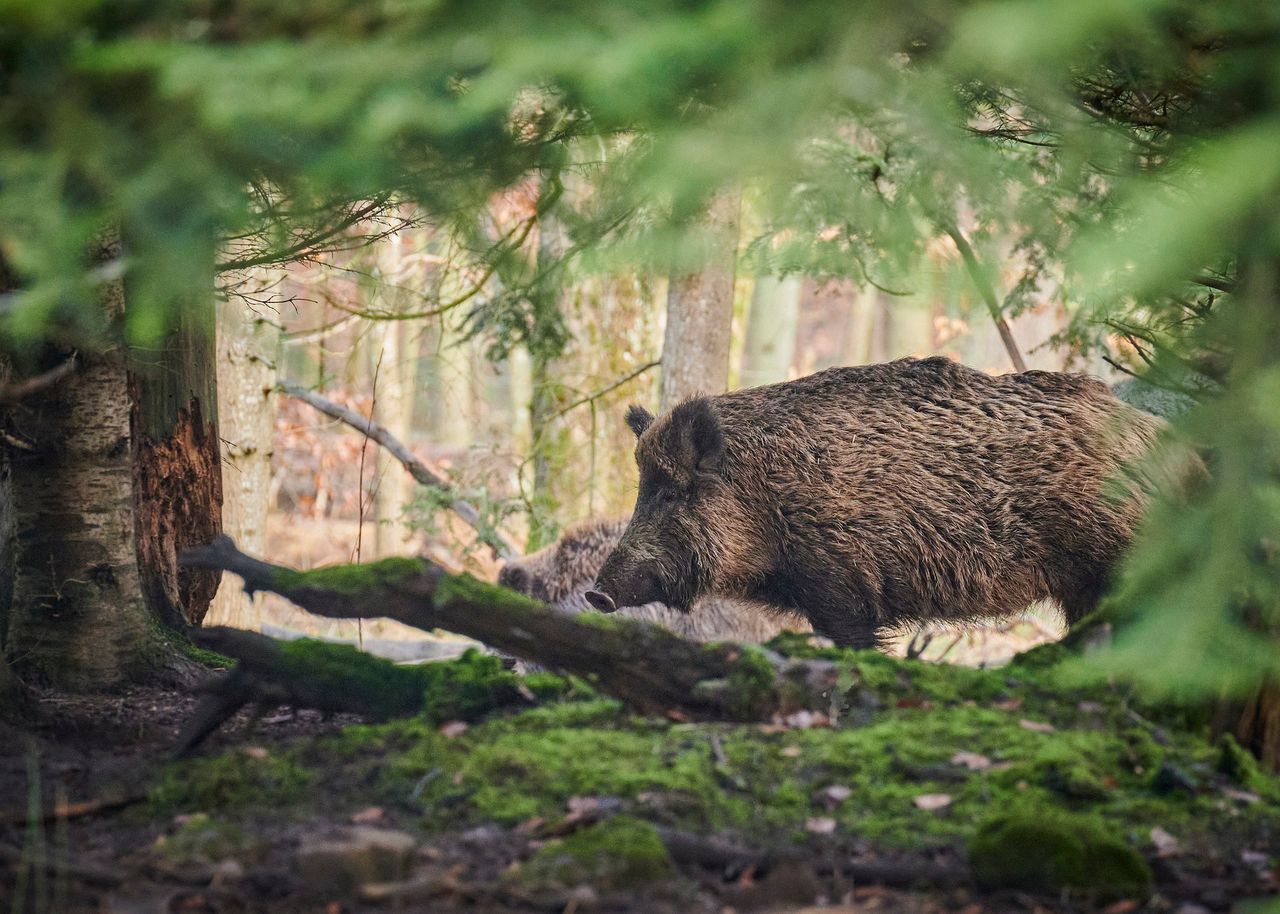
{"x": 995, "y": 739}
{"x": 354, "y": 579}
{"x": 1049, "y": 853}
{"x": 621, "y": 853}
{"x": 236, "y": 779}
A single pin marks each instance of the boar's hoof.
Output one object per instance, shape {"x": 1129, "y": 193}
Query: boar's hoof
{"x": 601, "y": 601}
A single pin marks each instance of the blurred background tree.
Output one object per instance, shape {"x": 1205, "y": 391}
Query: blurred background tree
{"x": 490, "y": 200}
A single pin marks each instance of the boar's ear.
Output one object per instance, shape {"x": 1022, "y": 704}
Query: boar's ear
{"x": 638, "y": 419}
{"x": 697, "y": 441}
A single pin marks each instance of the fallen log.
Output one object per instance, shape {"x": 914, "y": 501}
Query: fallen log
{"x": 646, "y": 667}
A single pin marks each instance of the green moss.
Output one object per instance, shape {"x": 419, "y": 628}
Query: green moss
{"x": 751, "y": 683}
{"x": 233, "y": 780}
{"x": 353, "y": 579}
{"x": 908, "y": 723}
{"x": 1046, "y": 852}
{"x": 621, "y": 853}
{"x": 1239, "y": 764}
{"x": 201, "y": 839}
{"x": 372, "y": 684}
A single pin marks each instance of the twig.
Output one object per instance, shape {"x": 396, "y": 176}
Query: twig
{"x": 13, "y": 393}
{"x": 986, "y": 292}
{"x": 80, "y": 810}
{"x": 427, "y": 475}
{"x": 608, "y": 389}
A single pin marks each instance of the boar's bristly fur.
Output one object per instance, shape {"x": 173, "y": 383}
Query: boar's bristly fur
{"x": 562, "y": 573}
{"x": 868, "y": 498}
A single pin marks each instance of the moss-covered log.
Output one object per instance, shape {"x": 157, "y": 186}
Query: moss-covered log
{"x": 648, "y": 668}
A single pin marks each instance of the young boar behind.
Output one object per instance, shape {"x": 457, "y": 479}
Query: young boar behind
{"x": 867, "y": 498}
{"x": 562, "y": 573}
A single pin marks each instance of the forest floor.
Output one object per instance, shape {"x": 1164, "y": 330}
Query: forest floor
{"x": 933, "y": 788}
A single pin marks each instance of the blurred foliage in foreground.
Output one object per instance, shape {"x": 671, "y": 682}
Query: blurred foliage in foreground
{"x": 1129, "y": 146}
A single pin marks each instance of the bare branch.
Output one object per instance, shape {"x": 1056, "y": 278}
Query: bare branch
{"x": 13, "y": 393}
{"x": 420, "y": 470}
{"x": 986, "y": 292}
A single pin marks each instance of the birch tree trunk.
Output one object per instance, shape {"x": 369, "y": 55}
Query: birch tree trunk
{"x": 771, "y": 330}
{"x": 695, "y": 347}
{"x": 247, "y": 356}
{"x": 392, "y": 409}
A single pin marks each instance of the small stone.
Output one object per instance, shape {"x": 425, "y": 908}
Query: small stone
{"x": 1166, "y": 844}
{"x": 225, "y": 872}
{"x": 1036, "y": 726}
{"x": 453, "y": 729}
{"x": 791, "y": 751}
{"x": 354, "y": 857}
{"x": 368, "y": 815}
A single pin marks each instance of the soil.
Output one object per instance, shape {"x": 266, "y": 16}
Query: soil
{"x": 117, "y": 857}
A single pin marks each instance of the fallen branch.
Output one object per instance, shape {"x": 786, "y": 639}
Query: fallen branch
{"x": 646, "y": 667}
{"x": 419, "y": 469}
{"x": 338, "y": 678}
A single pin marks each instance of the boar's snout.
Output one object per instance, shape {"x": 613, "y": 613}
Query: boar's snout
{"x": 617, "y": 587}
{"x": 601, "y": 601}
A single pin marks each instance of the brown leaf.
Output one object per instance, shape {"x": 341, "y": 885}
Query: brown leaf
{"x": 971, "y": 760}
{"x": 1036, "y": 726}
{"x": 932, "y": 801}
{"x": 821, "y": 825}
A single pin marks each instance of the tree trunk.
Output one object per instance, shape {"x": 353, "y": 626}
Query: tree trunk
{"x": 771, "y": 330}
{"x": 695, "y": 347}
{"x": 246, "y": 366}
{"x": 123, "y": 471}
{"x": 392, "y": 409}
{"x": 78, "y": 617}
{"x": 177, "y": 463}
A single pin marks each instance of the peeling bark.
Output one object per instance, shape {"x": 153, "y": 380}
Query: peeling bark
{"x": 178, "y": 488}
{"x": 177, "y": 461}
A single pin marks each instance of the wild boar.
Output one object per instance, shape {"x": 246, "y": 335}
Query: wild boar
{"x": 562, "y": 573}
{"x": 874, "y": 497}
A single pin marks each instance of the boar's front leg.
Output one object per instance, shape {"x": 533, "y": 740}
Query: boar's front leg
{"x": 847, "y": 629}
